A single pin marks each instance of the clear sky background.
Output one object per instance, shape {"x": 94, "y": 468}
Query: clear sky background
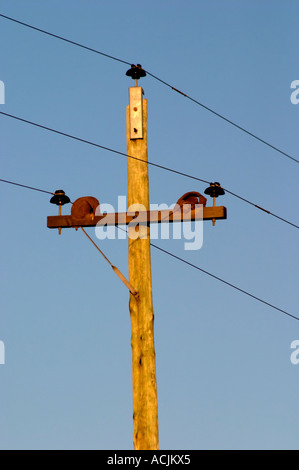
{"x": 225, "y": 379}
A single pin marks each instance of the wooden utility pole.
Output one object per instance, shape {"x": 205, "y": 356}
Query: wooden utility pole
{"x": 145, "y": 405}
{"x": 86, "y": 213}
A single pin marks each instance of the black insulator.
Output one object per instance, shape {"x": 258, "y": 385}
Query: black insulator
{"x": 60, "y": 198}
{"x": 136, "y": 72}
{"x": 215, "y": 190}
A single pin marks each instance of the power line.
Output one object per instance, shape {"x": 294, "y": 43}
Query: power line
{"x": 100, "y": 146}
{"x": 251, "y": 134}
{"x": 219, "y": 278}
{"x": 261, "y": 208}
{"x": 25, "y": 186}
{"x": 221, "y": 116}
{"x": 225, "y": 282}
{"x": 148, "y": 162}
{"x": 65, "y": 39}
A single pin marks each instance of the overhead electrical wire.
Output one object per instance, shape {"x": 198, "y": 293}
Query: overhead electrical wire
{"x": 99, "y": 146}
{"x": 219, "y": 278}
{"x": 207, "y": 108}
{"x": 25, "y": 186}
{"x": 64, "y": 39}
{"x": 261, "y": 208}
{"x": 221, "y": 116}
{"x": 26, "y": 121}
{"x": 223, "y": 281}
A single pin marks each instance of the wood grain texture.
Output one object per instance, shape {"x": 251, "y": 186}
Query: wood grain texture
{"x": 145, "y": 406}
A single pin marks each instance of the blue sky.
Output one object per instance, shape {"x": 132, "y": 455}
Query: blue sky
{"x": 225, "y": 379}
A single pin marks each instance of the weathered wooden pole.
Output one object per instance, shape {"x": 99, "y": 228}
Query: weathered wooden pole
{"x": 145, "y": 406}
